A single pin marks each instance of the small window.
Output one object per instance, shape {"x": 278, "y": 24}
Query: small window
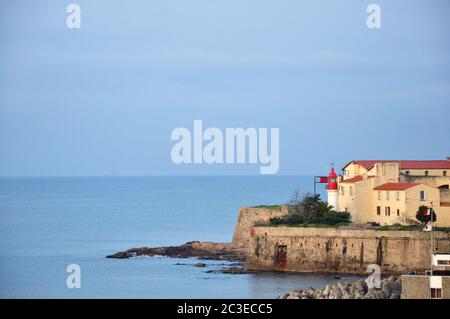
{"x": 444, "y": 173}
{"x": 351, "y": 190}
{"x": 436, "y": 293}
{"x": 426, "y": 173}
{"x": 342, "y": 190}
{"x": 422, "y": 195}
{"x": 378, "y": 195}
{"x": 407, "y": 172}
{"x": 398, "y": 212}
{"x": 378, "y": 210}
{"x": 387, "y": 211}
{"x": 387, "y": 195}
{"x": 397, "y": 195}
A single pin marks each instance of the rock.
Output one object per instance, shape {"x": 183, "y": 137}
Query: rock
{"x": 385, "y": 287}
{"x": 203, "y": 250}
{"x": 293, "y": 295}
{"x": 234, "y": 270}
{"x": 119, "y": 255}
{"x": 391, "y": 279}
{"x": 336, "y": 292}
{"x": 305, "y": 294}
{"x": 199, "y": 265}
{"x": 360, "y": 285}
{"x": 395, "y": 295}
{"x": 327, "y": 290}
{"x": 395, "y": 287}
{"x": 352, "y": 290}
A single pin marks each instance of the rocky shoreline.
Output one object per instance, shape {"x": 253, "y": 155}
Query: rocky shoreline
{"x": 391, "y": 288}
{"x": 197, "y": 249}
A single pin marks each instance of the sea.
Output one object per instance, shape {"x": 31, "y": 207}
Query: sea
{"x": 49, "y": 223}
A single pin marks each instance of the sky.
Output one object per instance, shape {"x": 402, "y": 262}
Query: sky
{"x": 104, "y": 99}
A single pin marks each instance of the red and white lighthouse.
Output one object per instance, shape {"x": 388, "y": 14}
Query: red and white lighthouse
{"x": 332, "y": 190}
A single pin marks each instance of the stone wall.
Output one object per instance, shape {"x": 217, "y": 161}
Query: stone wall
{"x": 251, "y": 216}
{"x": 418, "y": 287}
{"x": 415, "y": 287}
{"x": 341, "y": 250}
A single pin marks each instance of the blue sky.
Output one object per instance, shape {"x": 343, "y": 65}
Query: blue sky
{"x": 106, "y": 97}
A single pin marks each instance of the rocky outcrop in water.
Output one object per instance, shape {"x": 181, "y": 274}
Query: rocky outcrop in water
{"x": 202, "y": 250}
{"x": 390, "y": 289}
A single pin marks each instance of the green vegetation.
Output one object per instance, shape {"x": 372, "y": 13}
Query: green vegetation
{"x": 411, "y": 227}
{"x": 423, "y": 214}
{"x": 401, "y": 227}
{"x": 309, "y": 211}
{"x": 268, "y": 206}
{"x": 313, "y": 225}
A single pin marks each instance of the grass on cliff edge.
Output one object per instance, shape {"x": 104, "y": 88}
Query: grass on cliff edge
{"x": 309, "y": 225}
{"x": 268, "y": 206}
{"x": 411, "y": 227}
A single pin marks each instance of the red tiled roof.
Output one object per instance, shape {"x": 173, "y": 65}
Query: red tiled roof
{"x": 406, "y": 164}
{"x": 395, "y": 186}
{"x": 355, "y": 179}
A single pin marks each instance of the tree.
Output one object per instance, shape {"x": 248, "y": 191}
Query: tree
{"x": 309, "y": 209}
{"x": 301, "y": 205}
{"x": 423, "y": 214}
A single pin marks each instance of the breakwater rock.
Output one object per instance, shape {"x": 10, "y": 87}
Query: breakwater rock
{"x": 202, "y": 250}
{"x": 390, "y": 289}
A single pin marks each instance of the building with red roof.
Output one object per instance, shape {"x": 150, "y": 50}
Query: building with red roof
{"x": 391, "y": 191}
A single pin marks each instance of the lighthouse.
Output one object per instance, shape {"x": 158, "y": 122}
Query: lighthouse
{"x": 332, "y": 190}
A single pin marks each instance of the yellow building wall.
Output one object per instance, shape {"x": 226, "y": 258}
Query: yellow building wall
{"x": 431, "y": 172}
{"x": 354, "y": 170}
{"x": 362, "y": 201}
{"x": 432, "y": 198}
{"x": 356, "y": 199}
{"x": 385, "y": 199}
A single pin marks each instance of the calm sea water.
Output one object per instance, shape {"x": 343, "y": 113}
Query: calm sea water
{"x": 49, "y": 223}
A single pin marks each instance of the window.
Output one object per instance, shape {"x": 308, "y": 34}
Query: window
{"x": 387, "y": 195}
{"x": 444, "y": 173}
{"x": 426, "y": 173}
{"x": 422, "y": 195}
{"x": 342, "y": 191}
{"x": 436, "y": 293}
{"x": 351, "y": 190}
{"x": 398, "y": 212}
{"x": 407, "y": 172}
{"x": 397, "y": 195}
{"x": 378, "y": 195}
{"x": 387, "y": 211}
{"x": 378, "y": 210}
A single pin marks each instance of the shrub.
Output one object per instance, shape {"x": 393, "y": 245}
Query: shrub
{"x": 423, "y": 217}
{"x": 309, "y": 209}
